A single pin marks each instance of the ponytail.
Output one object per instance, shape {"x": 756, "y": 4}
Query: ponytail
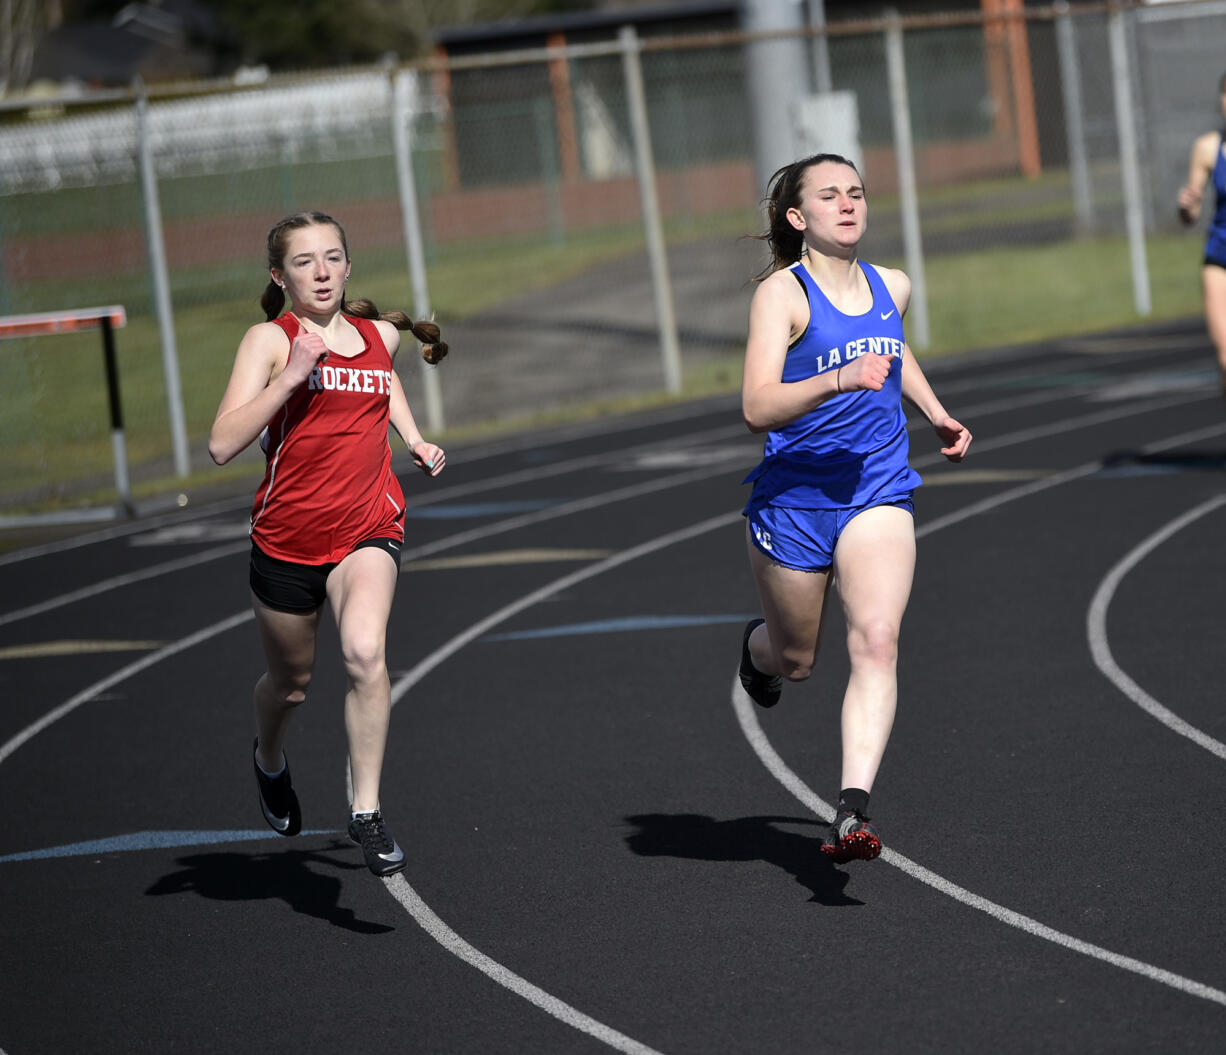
{"x": 272, "y": 301}
{"x": 433, "y": 348}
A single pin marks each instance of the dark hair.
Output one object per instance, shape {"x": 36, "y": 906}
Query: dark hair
{"x": 273, "y": 300}
{"x": 783, "y": 192}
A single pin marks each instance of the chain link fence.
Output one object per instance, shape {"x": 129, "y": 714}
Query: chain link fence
{"x": 1023, "y": 169}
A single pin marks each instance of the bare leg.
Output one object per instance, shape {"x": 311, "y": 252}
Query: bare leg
{"x": 793, "y": 603}
{"x": 361, "y": 588}
{"x": 289, "y": 650}
{"x": 875, "y": 564}
{"x": 1213, "y": 287}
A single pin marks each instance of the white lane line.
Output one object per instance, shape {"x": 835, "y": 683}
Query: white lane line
{"x": 412, "y": 903}
{"x": 535, "y": 473}
{"x": 579, "y": 505}
{"x": 445, "y": 651}
{"x": 758, "y": 741}
{"x": 1096, "y": 629}
{"x": 778, "y": 768}
{"x": 590, "y": 461}
{"x": 421, "y": 669}
{"x": 744, "y": 709}
{"x": 399, "y": 886}
{"x": 443, "y": 493}
{"x": 128, "y": 579}
{"x": 85, "y": 695}
{"x": 231, "y": 549}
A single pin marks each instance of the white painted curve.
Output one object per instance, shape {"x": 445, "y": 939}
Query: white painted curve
{"x": 1100, "y": 648}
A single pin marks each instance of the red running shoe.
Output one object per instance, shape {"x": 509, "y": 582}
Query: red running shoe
{"x": 851, "y": 838}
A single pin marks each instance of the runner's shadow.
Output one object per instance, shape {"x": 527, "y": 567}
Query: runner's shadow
{"x": 284, "y": 875}
{"x": 696, "y": 837}
{"x": 1174, "y": 461}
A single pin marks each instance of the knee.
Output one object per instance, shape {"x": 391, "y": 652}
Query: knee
{"x": 874, "y": 643}
{"x": 288, "y": 688}
{"x": 365, "y": 657}
{"x": 796, "y": 664}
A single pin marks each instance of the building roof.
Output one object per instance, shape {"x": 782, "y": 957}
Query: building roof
{"x": 518, "y": 32}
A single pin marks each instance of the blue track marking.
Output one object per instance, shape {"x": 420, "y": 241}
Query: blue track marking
{"x": 465, "y": 510}
{"x": 616, "y": 626}
{"x": 148, "y": 841}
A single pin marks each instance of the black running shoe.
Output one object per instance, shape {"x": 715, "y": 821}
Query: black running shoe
{"x": 763, "y": 689}
{"x": 277, "y": 799}
{"x": 851, "y": 838}
{"x": 383, "y": 856}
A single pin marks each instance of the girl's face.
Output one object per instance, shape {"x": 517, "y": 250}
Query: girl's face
{"x": 832, "y": 210}
{"x": 314, "y": 270}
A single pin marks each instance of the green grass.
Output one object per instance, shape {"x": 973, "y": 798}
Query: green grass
{"x": 53, "y": 409}
{"x": 1011, "y": 296}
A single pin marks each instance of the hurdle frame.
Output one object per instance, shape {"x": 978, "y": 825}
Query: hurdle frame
{"x": 107, "y": 319}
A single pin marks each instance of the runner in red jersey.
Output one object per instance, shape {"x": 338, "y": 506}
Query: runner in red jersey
{"x": 317, "y": 388}
{"x": 329, "y": 483}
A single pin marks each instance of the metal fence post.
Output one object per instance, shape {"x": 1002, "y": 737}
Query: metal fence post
{"x": 119, "y": 445}
{"x": 161, "y": 282}
{"x": 1074, "y": 117}
{"x": 823, "y": 80}
{"x": 1130, "y": 161}
{"x": 908, "y": 199}
{"x": 777, "y": 79}
{"x": 670, "y": 350}
{"x": 407, "y": 186}
{"x": 551, "y": 176}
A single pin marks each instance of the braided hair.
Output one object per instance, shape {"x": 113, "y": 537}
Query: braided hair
{"x": 433, "y": 348}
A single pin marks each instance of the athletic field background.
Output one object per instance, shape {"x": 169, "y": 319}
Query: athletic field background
{"x": 532, "y": 219}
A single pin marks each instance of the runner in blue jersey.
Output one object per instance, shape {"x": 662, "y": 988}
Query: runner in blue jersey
{"x": 826, "y": 369}
{"x": 1208, "y": 165}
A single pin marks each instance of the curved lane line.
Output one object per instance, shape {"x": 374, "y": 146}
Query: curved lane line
{"x": 1096, "y": 630}
{"x": 204, "y": 634}
{"x": 111, "y": 680}
{"x": 534, "y": 473}
{"x": 398, "y": 886}
{"x": 411, "y": 901}
{"x": 744, "y": 709}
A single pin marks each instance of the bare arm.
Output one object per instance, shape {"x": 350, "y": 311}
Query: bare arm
{"x": 955, "y": 437}
{"x": 264, "y": 376}
{"x": 1200, "y": 165}
{"x": 777, "y": 314}
{"x": 428, "y": 457}
{"x": 915, "y": 387}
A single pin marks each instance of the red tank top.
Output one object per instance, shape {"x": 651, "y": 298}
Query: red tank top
{"x": 329, "y": 482}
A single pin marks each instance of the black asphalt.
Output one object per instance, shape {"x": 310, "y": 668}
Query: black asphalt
{"x": 608, "y": 850}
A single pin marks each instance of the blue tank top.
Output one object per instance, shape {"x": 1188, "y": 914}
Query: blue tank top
{"x": 852, "y": 450}
{"x": 1215, "y": 244}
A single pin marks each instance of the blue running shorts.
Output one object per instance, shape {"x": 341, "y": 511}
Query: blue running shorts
{"x": 804, "y": 539}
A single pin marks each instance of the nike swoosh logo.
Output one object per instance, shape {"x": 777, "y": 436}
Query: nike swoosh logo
{"x": 886, "y": 314}
{"x": 279, "y": 823}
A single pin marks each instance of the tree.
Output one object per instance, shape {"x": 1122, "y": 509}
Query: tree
{"x": 313, "y": 33}
{"x": 23, "y": 24}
